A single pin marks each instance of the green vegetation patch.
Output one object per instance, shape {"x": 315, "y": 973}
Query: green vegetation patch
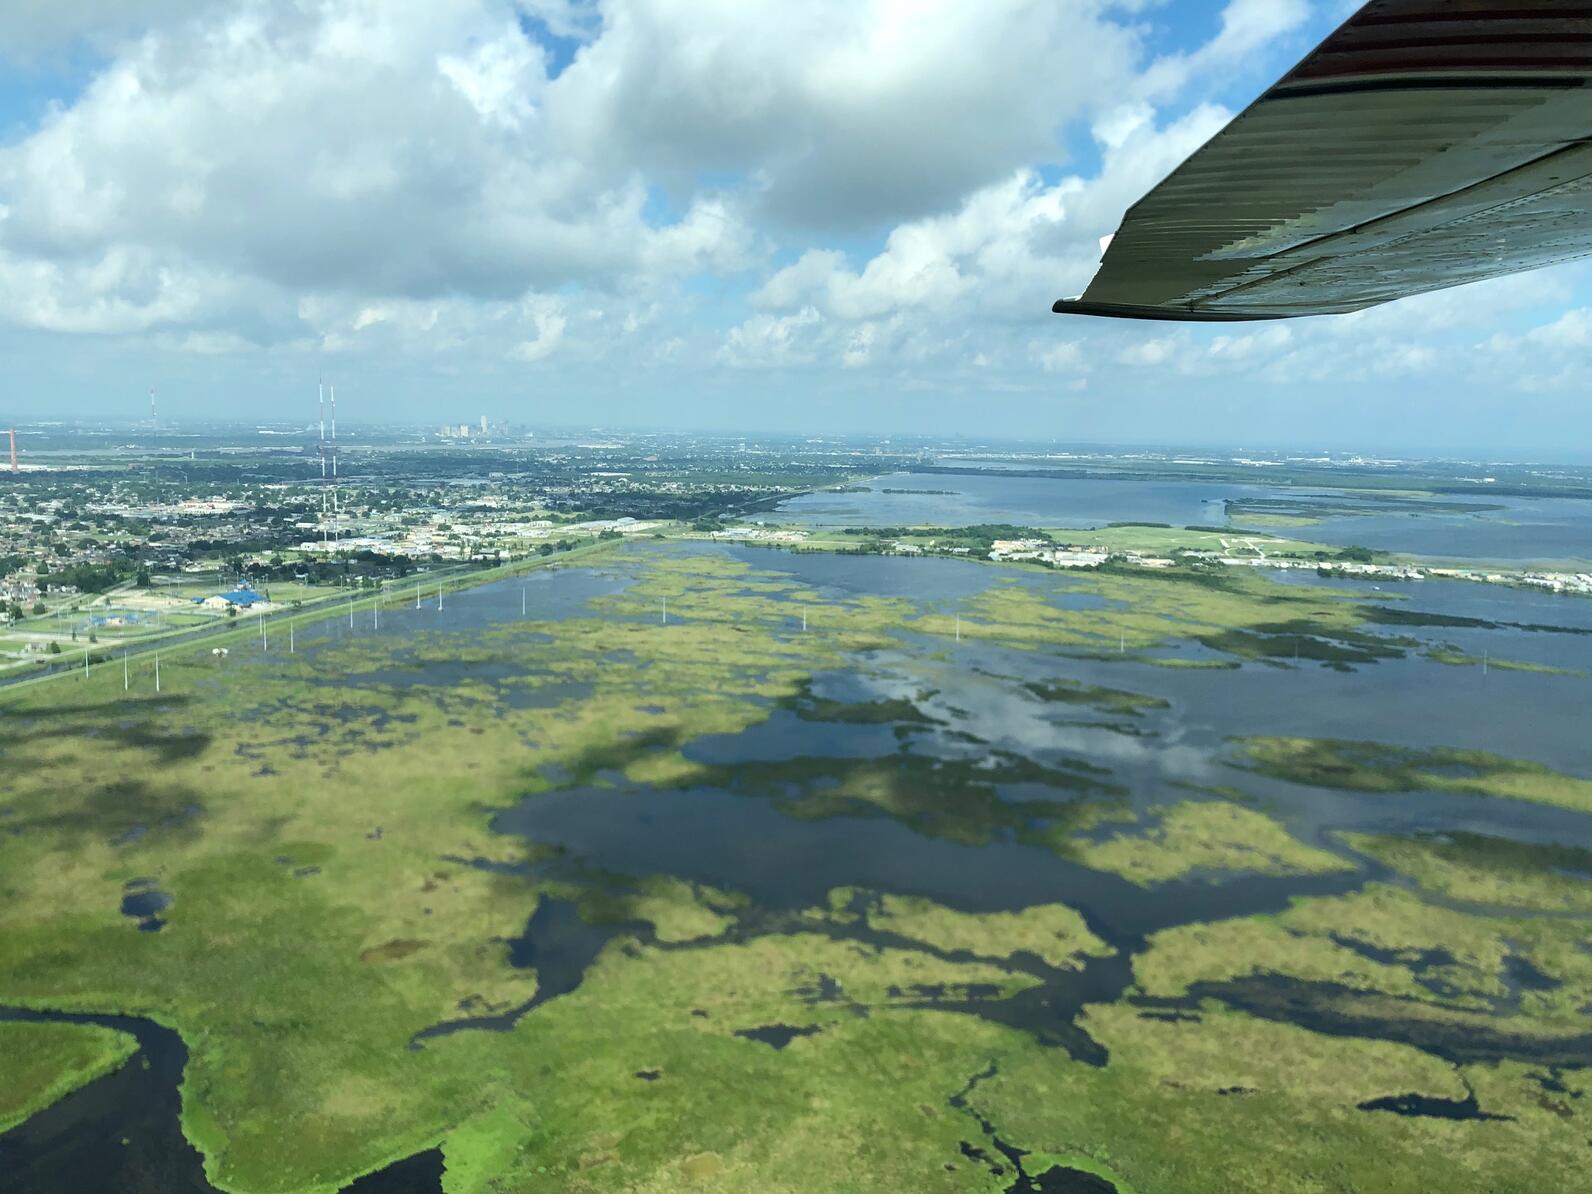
{"x": 1216, "y": 1101}
{"x": 892, "y": 711}
{"x": 1232, "y": 610}
{"x": 1208, "y": 836}
{"x": 960, "y": 800}
{"x": 1384, "y": 955}
{"x": 1107, "y": 700}
{"x": 1378, "y": 767}
{"x": 1453, "y": 657}
{"x": 1054, "y": 933}
{"x": 1489, "y": 870}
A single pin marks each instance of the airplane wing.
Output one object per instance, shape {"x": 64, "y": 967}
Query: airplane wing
{"x": 1425, "y": 144}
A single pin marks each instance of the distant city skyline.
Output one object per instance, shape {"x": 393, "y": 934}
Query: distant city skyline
{"x": 822, "y": 219}
{"x": 511, "y": 431}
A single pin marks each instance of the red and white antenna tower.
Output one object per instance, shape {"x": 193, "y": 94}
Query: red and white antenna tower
{"x": 332, "y": 394}
{"x": 320, "y": 388}
{"x": 13, "y": 434}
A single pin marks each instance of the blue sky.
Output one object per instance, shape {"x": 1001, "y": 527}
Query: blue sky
{"x": 711, "y": 214}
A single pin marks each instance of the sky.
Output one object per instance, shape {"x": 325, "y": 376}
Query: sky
{"x": 825, "y": 217}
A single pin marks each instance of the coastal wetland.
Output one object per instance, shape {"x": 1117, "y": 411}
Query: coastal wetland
{"x": 728, "y": 868}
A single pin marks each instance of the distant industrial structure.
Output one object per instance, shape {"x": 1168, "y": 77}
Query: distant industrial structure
{"x": 481, "y": 429}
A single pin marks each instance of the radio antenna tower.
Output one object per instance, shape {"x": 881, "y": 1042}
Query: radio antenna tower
{"x": 332, "y": 392}
{"x": 320, "y": 387}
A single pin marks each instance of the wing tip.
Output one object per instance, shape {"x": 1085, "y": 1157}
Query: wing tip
{"x": 1080, "y": 306}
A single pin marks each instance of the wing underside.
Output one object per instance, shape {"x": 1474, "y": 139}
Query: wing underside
{"x": 1423, "y": 145}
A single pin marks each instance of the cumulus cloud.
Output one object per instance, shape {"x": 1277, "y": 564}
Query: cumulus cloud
{"x": 352, "y": 147}
{"x": 895, "y": 190}
{"x": 31, "y": 30}
{"x": 849, "y": 115}
{"x": 765, "y": 341}
{"x": 1572, "y": 330}
{"x": 249, "y": 167}
{"x": 1003, "y": 254}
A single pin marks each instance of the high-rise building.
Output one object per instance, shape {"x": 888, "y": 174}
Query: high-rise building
{"x": 483, "y": 424}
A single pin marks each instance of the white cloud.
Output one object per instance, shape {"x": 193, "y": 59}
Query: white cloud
{"x": 1252, "y": 345}
{"x": 350, "y": 147}
{"x": 849, "y": 114}
{"x": 1572, "y": 330}
{"x": 1064, "y": 356}
{"x": 882, "y": 188}
{"x": 765, "y": 341}
{"x": 259, "y": 167}
{"x": 1246, "y": 27}
{"x": 34, "y": 29}
{"x": 1151, "y": 353}
{"x": 550, "y": 323}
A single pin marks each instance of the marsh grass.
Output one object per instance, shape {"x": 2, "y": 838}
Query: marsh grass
{"x": 1379, "y": 767}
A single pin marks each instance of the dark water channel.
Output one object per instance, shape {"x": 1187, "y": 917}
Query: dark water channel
{"x": 122, "y": 1133}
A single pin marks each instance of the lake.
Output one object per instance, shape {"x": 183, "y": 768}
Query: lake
{"x": 1521, "y": 530}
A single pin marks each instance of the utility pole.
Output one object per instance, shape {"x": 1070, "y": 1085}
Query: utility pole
{"x": 125, "y": 680}
{"x": 157, "y": 673}
{"x": 290, "y": 638}
{"x": 665, "y": 611}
